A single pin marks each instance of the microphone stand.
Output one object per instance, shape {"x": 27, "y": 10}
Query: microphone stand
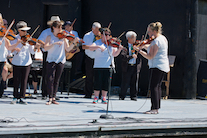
{"x": 112, "y": 68}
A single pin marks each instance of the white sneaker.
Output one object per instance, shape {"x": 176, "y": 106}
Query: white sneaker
{"x": 14, "y": 101}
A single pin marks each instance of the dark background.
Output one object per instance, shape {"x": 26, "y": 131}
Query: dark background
{"x": 177, "y": 16}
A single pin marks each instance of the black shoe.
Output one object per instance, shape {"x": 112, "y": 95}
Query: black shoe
{"x": 22, "y": 102}
{"x": 57, "y": 98}
{"x": 5, "y": 85}
{"x": 87, "y": 97}
{"x": 44, "y": 98}
{"x": 120, "y": 98}
{"x": 134, "y": 99}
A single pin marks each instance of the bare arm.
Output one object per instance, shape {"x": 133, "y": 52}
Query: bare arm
{"x": 85, "y": 46}
{"x": 116, "y": 52}
{"x": 95, "y": 47}
{"x": 70, "y": 46}
{"x": 9, "y": 46}
{"x": 49, "y": 45}
{"x": 153, "y": 51}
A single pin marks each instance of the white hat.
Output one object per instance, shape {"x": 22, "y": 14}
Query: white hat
{"x": 21, "y": 25}
{"x": 54, "y": 18}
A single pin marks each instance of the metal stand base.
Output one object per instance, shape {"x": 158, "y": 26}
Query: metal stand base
{"x": 106, "y": 116}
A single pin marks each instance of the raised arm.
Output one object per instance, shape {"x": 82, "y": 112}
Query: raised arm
{"x": 153, "y": 51}
{"x": 116, "y": 51}
{"x": 11, "y": 47}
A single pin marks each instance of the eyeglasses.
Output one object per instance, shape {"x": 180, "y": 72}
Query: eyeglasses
{"x": 108, "y": 34}
{"x": 23, "y": 30}
{"x": 5, "y": 24}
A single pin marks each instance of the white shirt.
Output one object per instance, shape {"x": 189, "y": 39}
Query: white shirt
{"x": 44, "y": 35}
{"x": 38, "y": 55}
{"x": 23, "y": 58}
{"x": 88, "y": 39}
{"x": 73, "y": 32}
{"x": 133, "y": 60}
{"x": 3, "y": 51}
{"x": 160, "y": 60}
{"x": 102, "y": 59}
{"x": 56, "y": 53}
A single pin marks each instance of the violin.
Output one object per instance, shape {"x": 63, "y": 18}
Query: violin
{"x": 147, "y": 41}
{"x": 115, "y": 42}
{"x": 68, "y": 36}
{"x": 98, "y": 36}
{"x": 64, "y": 34}
{"x": 139, "y": 43}
{"x": 31, "y": 41}
{"x": 10, "y": 35}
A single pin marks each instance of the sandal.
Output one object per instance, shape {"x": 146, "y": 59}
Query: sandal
{"x": 151, "y": 112}
{"x": 35, "y": 91}
{"x": 49, "y": 102}
{"x": 54, "y": 102}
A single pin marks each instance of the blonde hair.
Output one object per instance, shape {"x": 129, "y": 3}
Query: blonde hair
{"x": 157, "y": 26}
{"x": 1, "y": 19}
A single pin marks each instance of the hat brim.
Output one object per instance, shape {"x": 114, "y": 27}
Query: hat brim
{"x": 25, "y": 28}
{"x": 50, "y": 22}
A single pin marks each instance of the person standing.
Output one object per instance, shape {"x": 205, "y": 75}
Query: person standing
{"x": 131, "y": 66}
{"x": 38, "y": 56}
{"x": 104, "y": 59}
{"x": 4, "y": 47}
{"x": 42, "y": 37}
{"x": 89, "y": 38}
{"x": 55, "y": 59}
{"x": 21, "y": 63}
{"x": 69, "y": 28}
{"x": 157, "y": 55}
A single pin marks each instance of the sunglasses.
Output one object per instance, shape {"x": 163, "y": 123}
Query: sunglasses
{"x": 108, "y": 34}
{"x": 23, "y": 30}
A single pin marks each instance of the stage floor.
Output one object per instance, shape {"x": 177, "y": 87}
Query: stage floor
{"x": 77, "y": 116}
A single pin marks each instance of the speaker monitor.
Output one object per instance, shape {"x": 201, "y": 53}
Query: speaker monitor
{"x": 202, "y": 78}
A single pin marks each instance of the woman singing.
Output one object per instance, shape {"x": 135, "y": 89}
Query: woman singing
{"x": 55, "y": 59}
{"x": 157, "y": 55}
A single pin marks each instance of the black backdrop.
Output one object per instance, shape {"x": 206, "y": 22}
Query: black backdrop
{"x": 125, "y": 15}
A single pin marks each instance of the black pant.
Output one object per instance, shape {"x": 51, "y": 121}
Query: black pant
{"x": 35, "y": 74}
{"x": 1, "y": 79}
{"x": 101, "y": 79}
{"x": 89, "y": 76}
{"x": 156, "y": 77}
{"x": 130, "y": 78}
{"x": 20, "y": 76}
{"x": 54, "y": 72}
{"x": 44, "y": 74}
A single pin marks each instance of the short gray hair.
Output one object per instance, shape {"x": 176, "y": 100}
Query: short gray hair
{"x": 96, "y": 25}
{"x": 130, "y": 34}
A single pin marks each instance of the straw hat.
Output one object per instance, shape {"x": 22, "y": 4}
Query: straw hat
{"x": 21, "y": 25}
{"x": 55, "y": 18}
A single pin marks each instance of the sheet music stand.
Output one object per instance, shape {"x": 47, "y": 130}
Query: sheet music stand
{"x": 167, "y": 82}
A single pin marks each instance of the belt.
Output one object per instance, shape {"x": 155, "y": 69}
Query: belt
{"x": 131, "y": 64}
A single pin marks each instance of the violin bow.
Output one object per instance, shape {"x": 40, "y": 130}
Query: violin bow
{"x": 121, "y": 35}
{"x": 34, "y": 31}
{"x": 145, "y": 34}
{"x": 73, "y": 22}
{"x": 31, "y": 36}
{"x": 109, "y": 25}
{"x": 11, "y": 24}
